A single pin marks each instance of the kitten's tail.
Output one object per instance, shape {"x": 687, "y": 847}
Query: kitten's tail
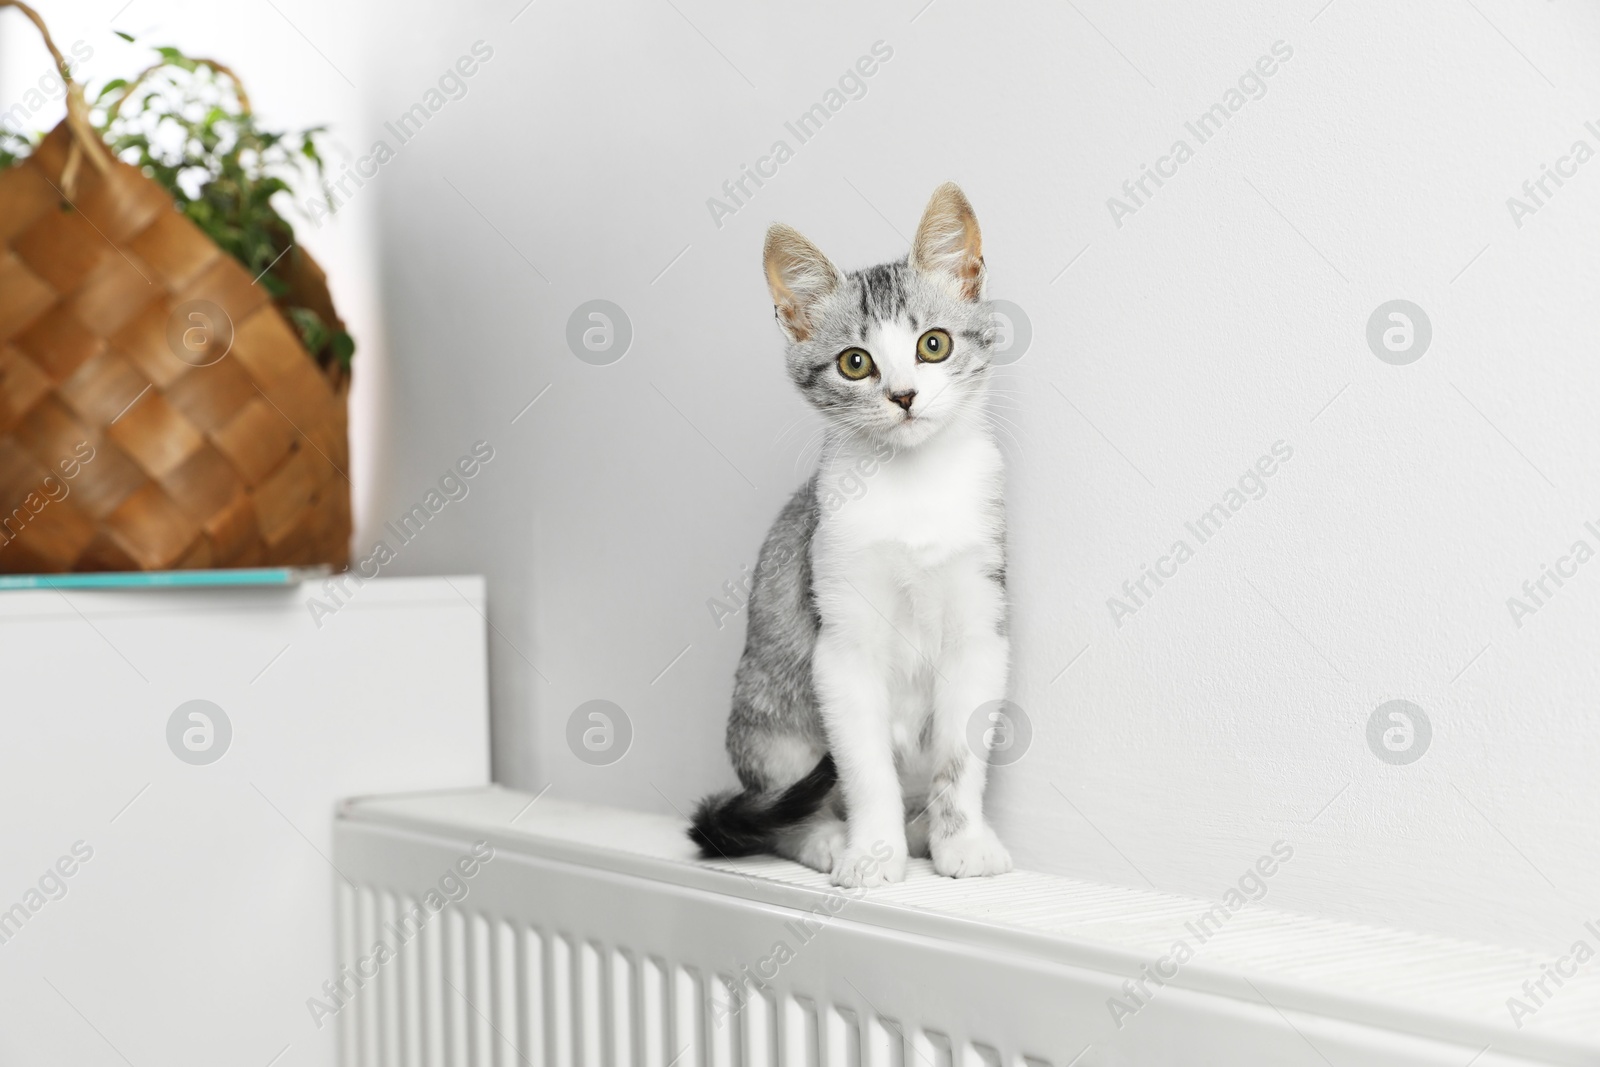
{"x": 744, "y": 823}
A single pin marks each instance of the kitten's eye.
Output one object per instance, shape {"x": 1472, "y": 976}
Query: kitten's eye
{"x": 934, "y": 346}
{"x": 855, "y": 363}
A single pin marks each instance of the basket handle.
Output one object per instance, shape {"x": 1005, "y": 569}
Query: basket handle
{"x": 220, "y": 68}
{"x": 85, "y": 141}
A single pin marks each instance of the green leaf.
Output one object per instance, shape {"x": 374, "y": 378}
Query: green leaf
{"x": 313, "y": 332}
{"x": 343, "y": 347}
{"x": 176, "y": 58}
{"x": 125, "y": 36}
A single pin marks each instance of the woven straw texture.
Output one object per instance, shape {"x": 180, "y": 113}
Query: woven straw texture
{"x": 232, "y": 463}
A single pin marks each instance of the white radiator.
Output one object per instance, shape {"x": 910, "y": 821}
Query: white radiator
{"x": 566, "y": 935}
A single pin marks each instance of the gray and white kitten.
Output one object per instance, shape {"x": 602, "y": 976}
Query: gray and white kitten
{"x": 877, "y": 619}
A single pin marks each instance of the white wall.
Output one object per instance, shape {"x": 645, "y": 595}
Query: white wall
{"x": 1227, "y": 314}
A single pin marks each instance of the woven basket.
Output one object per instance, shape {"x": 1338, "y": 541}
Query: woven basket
{"x": 128, "y": 336}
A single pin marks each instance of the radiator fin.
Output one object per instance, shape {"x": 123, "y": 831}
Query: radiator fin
{"x": 589, "y": 1021}
{"x": 624, "y": 1021}
{"x": 454, "y": 977}
{"x": 654, "y": 1012}
{"x": 760, "y": 1031}
{"x": 885, "y": 1042}
{"x": 410, "y": 971}
{"x": 844, "y": 1038}
{"x": 432, "y": 991}
{"x": 979, "y": 1055}
{"x": 933, "y": 1048}
{"x": 722, "y": 1024}
{"x": 506, "y": 996}
{"x": 688, "y": 1018}
{"x": 564, "y": 1003}
{"x": 803, "y": 1044}
{"x": 534, "y": 1028}
{"x": 386, "y": 995}
{"x": 367, "y": 910}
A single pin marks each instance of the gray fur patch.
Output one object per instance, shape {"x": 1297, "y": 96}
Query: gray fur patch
{"x": 945, "y": 818}
{"x": 772, "y": 692}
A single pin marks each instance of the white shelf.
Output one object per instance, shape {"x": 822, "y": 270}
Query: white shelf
{"x": 204, "y": 918}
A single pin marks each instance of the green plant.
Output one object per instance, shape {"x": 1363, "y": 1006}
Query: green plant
{"x": 188, "y": 125}
{"x": 13, "y": 146}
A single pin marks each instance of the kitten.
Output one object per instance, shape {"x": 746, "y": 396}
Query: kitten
{"x": 877, "y": 619}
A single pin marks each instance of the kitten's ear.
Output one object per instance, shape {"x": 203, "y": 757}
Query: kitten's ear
{"x": 948, "y": 246}
{"x": 798, "y": 275}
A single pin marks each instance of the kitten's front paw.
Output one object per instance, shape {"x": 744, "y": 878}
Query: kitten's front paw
{"x": 972, "y": 854}
{"x": 859, "y": 867}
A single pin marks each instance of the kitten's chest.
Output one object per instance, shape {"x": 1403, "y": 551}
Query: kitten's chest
{"x": 927, "y": 505}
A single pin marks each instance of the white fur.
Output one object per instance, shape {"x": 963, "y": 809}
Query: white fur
{"x": 912, "y": 625}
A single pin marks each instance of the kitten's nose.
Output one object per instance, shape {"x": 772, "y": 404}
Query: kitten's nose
{"x": 904, "y": 399}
